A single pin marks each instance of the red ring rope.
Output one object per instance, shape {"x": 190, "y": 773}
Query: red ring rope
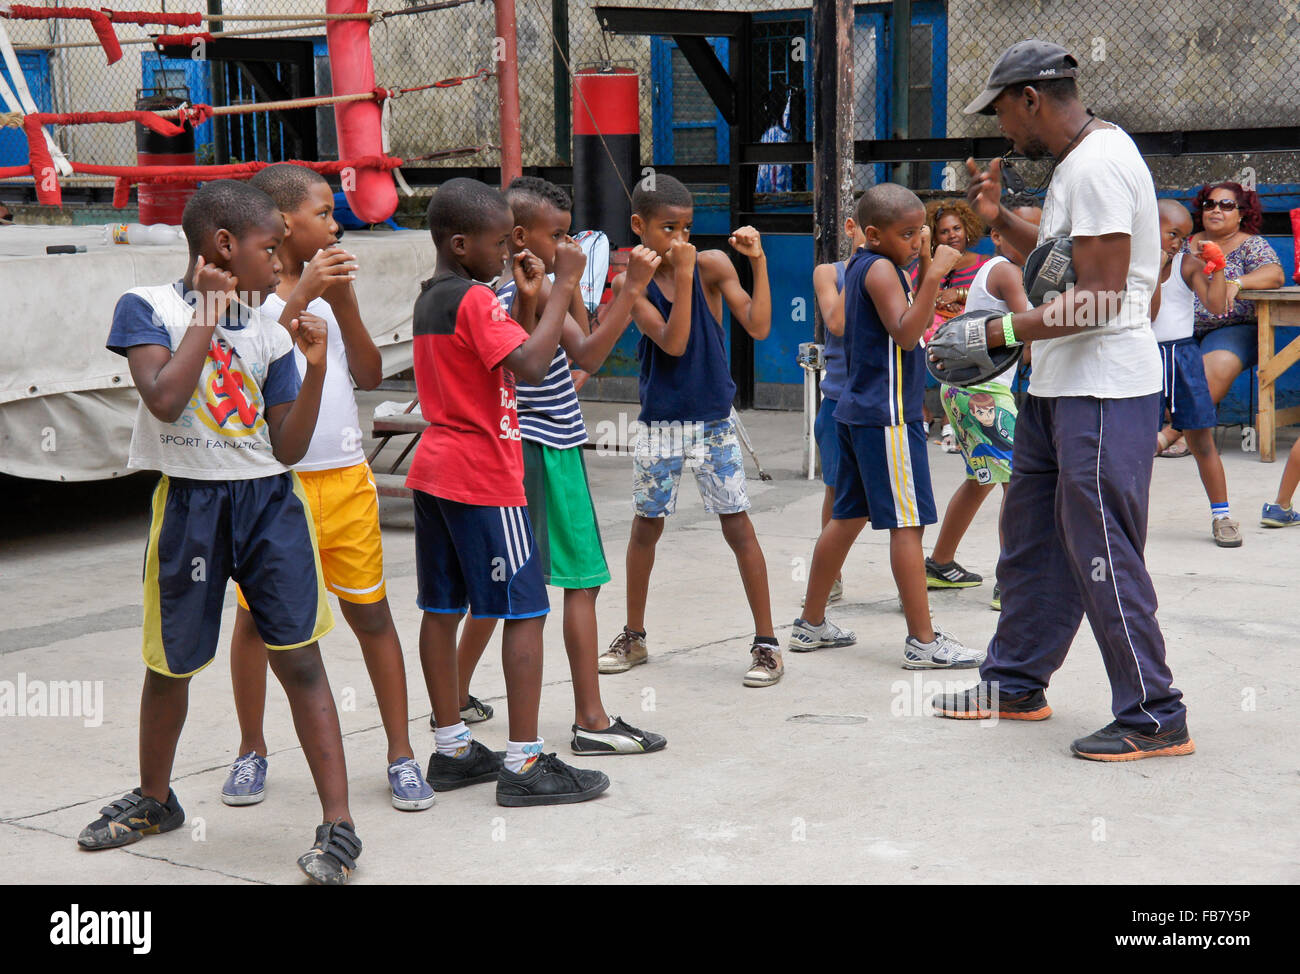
{"x": 102, "y": 21}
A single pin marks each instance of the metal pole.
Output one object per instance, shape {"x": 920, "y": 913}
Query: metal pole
{"x": 832, "y": 50}
{"x": 506, "y": 48}
{"x": 902, "y": 86}
{"x": 563, "y": 83}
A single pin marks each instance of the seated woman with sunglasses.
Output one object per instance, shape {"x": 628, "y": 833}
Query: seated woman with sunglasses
{"x": 1229, "y": 215}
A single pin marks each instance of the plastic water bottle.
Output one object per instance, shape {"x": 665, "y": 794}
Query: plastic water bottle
{"x": 156, "y": 234}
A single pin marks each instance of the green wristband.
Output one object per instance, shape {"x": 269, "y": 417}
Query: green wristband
{"x": 1008, "y": 336}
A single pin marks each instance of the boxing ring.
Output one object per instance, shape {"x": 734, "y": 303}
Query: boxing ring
{"x": 67, "y": 404}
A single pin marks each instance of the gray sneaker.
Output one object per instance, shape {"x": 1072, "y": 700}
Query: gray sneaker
{"x": 805, "y": 637}
{"x": 626, "y": 651}
{"x": 766, "y": 667}
{"x": 944, "y": 653}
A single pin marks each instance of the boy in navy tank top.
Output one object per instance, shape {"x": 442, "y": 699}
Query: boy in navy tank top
{"x": 828, "y": 289}
{"x": 686, "y": 394}
{"x": 883, "y": 471}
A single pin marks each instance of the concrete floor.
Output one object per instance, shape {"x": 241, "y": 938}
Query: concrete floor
{"x": 834, "y": 775}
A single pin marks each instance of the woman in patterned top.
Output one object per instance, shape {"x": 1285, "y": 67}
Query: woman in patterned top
{"x": 1229, "y": 215}
{"x": 954, "y": 223}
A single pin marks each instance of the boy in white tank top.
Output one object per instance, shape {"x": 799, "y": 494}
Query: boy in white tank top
{"x": 1186, "y": 392}
{"x": 983, "y": 418}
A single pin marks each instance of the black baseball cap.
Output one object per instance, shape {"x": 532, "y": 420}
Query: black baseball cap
{"x": 1024, "y": 62}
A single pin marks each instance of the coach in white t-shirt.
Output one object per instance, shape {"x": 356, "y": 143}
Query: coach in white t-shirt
{"x": 1075, "y": 518}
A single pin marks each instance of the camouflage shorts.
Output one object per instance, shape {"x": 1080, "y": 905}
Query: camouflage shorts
{"x": 710, "y": 449}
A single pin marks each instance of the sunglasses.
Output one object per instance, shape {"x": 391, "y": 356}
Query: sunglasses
{"x": 1226, "y": 205}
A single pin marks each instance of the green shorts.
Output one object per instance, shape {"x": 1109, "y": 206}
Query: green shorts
{"x": 563, "y": 517}
{"x": 983, "y": 419}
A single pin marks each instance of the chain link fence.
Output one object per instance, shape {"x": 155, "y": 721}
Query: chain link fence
{"x": 1175, "y": 66}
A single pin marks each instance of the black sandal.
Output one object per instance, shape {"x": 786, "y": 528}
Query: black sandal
{"x": 332, "y": 858}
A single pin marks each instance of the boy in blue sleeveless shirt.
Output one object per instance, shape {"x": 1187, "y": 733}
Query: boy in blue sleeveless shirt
{"x": 828, "y": 289}
{"x": 686, "y": 394}
{"x": 883, "y": 466}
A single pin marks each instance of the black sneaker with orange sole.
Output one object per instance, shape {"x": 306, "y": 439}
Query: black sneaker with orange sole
{"x": 980, "y": 702}
{"x": 1117, "y": 742}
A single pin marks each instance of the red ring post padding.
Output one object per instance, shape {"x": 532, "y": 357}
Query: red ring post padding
{"x": 373, "y": 198}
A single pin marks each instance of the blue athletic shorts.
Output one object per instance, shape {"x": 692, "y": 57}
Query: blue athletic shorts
{"x": 828, "y": 440}
{"x": 1241, "y": 340}
{"x": 205, "y": 532}
{"x": 884, "y": 474}
{"x": 1186, "y": 392}
{"x": 480, "y": 558}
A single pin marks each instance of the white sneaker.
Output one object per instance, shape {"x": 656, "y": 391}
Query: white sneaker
{"x": 837, "y": 593}
{"x": 944, "y": 653}
{"x": 805, "y": 637}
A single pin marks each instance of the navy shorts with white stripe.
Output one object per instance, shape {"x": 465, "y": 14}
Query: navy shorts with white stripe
{"x": 480, "y": 558}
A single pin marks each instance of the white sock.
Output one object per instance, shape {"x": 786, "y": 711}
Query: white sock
{"x": 453, "y": 741}
{"x": 519, "y": 753}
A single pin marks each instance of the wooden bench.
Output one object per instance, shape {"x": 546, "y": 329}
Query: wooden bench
{"x": 384, "y": 428}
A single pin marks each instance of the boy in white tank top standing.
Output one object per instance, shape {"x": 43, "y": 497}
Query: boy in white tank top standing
{"x": 1186, "y": 392}
{"x": 983, "y": 418}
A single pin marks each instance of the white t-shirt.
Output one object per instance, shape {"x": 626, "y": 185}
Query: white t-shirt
{"x": 1103, "y": 187}
{"x": 1176, "y": 318}
{"x": 979, "y": 299}
{"x": 222, "y": 433}
{"x": 336, "y": 441}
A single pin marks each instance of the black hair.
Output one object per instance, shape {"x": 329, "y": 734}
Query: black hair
{"x": 463, "y": 206}
{"x": 658, "y": 190}
{"x": 527, "y": 195}
{"x": 225, "y": 204}
{"x": 1055, "y": 89}
{"x": 287, "y": 184}
{"x": 885, "y": 204}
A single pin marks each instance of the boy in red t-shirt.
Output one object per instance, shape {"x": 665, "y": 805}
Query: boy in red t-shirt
{"x": 474, "y": 544}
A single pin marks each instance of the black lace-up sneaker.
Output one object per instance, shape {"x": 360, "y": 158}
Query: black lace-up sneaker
{"x": 549, "y": 782}
{"x": 981, "y": 702}
{"x": 481, "y": 765}
{"x": 1116, "y": 742}
{"x": 619, "y": 737}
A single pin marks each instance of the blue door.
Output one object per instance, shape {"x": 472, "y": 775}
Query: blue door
{"x": 688, "y": 128}
{"x": 36, "y": 71}
{"x": 194, "y": 77}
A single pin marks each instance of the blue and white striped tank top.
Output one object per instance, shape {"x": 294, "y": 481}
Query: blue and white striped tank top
{"x": 549, "y": 412}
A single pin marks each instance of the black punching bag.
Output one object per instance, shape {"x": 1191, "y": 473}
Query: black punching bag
{"x": 606, "y": 104}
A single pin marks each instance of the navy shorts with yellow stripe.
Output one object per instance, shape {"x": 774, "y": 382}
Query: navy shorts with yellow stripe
{"x": 204, "y": 533}
{"x": 884, "y": 474}
{"x": 476, "y": 557}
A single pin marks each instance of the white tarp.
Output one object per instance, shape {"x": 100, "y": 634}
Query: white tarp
{"x": 66, "y": 402}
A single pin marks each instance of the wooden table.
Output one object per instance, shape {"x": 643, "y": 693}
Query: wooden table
{"x": 1277, "y": 308}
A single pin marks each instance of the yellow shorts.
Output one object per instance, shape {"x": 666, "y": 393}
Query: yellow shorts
{"x": 345, "y": 509}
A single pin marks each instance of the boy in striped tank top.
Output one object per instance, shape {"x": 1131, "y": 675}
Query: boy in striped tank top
{"x": 552, "y": 432}
{"x": 883, "y": 470}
